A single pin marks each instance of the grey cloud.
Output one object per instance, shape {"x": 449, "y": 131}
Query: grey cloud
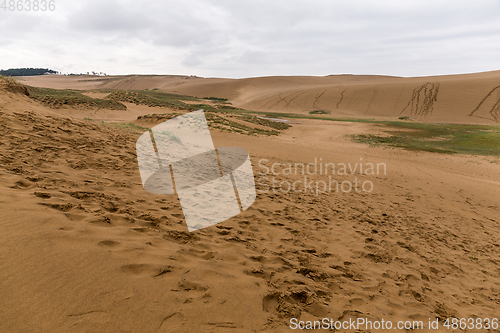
{"x": 108, "y": 16}
{"x": 249, "y": 38}
{"x": 253, "y": 57}
{"x": 192, "y": 60}
{"x": 18, "y": 24}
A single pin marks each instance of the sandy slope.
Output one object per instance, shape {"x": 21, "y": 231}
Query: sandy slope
{"x": 468, "y": 98}
{"x": 85, "y": 249}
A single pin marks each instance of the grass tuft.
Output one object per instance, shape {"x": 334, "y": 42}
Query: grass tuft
{"x": 57, "y": 98}
{"x": 437, "y": 138}
{"x": 11, "y": 85}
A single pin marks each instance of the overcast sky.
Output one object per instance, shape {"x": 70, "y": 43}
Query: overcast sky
{"x": 235, "y": 38}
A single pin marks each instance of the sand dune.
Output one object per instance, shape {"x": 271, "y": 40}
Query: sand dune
{"x": 85, "y": 249}
{"x": 468, "y": 98}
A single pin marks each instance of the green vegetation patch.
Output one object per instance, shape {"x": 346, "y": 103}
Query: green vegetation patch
{"x": 216, "y": 99}
{"x": 56, "y": 98}
{"x": 227, "y": 125}
{"x": 438, "y": 138}
{"x": 280, "y": 115}
{"x": 137, "y": 98}
{"x": 319, "y": 112}
{"x": 129, "y": 127}
{"x": 279, "y": 125}
{"x": 216, "y": 121}
{"x": 156, "y": 117}
{"x": 156, "y": 98}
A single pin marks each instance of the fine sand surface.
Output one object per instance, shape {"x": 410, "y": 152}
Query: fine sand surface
{"x": 85, "y": 249}
{"x": 467, "y": 98}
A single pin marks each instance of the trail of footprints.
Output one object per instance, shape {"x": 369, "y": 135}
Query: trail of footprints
{"x": 293, "y": 269}
{"x": 323, "y": 256}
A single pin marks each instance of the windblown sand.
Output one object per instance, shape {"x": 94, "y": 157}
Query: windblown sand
{"x": 466, "y": 98}
{"x": 85, "y": 249}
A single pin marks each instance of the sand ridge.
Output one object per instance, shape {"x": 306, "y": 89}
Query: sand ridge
{"x": 466, "y": 98}
{"x": 85, "y": 248}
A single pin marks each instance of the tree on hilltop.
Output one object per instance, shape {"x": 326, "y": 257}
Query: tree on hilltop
{"x": 26, "y": 71}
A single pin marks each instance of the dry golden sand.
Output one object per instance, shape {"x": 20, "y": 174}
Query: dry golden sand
{"x": 467, "y": 98}
{"x": 85, "y": 249}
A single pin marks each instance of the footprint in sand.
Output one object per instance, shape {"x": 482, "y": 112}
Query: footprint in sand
{"x": 23, "y": 184}
{"x": 42, "y": 195}
{"x": 58, "y": 206}
{"x": 270, "y": 301}
{"x": 109, "y": 243}
{"x": 146, "y": 269}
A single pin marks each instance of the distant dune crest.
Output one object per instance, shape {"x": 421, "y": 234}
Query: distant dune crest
{"x": 489, "y": 106}
{"x": 466, "y": 98}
